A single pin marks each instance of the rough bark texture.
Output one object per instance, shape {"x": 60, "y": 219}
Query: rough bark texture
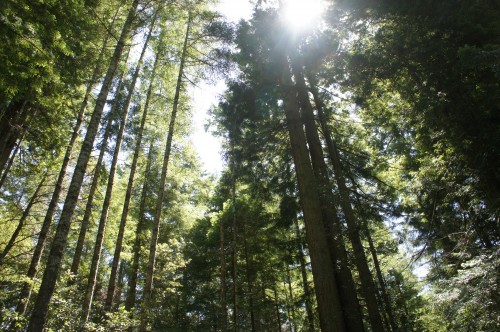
{"x": 367, "y": 285}
{"x": 350, "y": 304}
{"x": 148, "y": 282}
{"x": 329, "y": 306}
{"x": 128, "y": 194}
{"x": 38, "y": 317}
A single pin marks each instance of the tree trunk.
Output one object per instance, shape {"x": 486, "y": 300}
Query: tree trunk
{"x": 305, "y": 283}
{"x": 11, "y": 125}
{"x": 11, "y": 158}
{"x": 330, "y": 310}
{"x": 249, "y": 278}
{"x": 148, "y": 282}
{"x": 132, "y": 286}
{"x": 223, "y": 304}
{"x": 87, "y": 305}
{"x": 367, "y": 285}
{"x": 47, "y": 221}
{"x": 381, "y": 281}
{"x": 21, "y": 222}
{"x": 38, "y": 317}
{"x": 234, "y": 256}
{"x": 333, "y": 227}
{"x": 123, "y": 221}
{"x": 84, "y": 225}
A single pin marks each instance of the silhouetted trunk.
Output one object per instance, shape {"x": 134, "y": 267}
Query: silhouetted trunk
{"x": 223, "y": 291}
{"x": 38, "y": 317}
{"x": 148, "y": 282}
{"x": 128, "y": 194}
{"x": 234, "y": 258}
{"x": 345, "y": 283}
{"x": 132, "y": 286}
{"x": 385, "y": 296}
{"x": 277, "y": 309}
{"x": 12, "y": 124}
{"x": 87, "y": 305}
{"x": 327, "y": 295}
{"x": 249, "y": 278}
{"x": 11, "y": 159}
{"x": 367, "y": 285}
{"x": 305, "y": 283}
{"x": 22, "y": 221}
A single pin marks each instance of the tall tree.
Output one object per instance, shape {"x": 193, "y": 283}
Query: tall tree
{"x": 148, "y": 282}
{"x": 38, "y": 317}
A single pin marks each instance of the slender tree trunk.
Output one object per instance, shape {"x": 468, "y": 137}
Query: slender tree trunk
{"x": 223, "y": 303}
{"x": 123, "y": 220}
{"x": 104, "y": 215}
{"x": 305, "y": 283}
{"x": 385, "y": 296}
{"x": 11, "y": 125}
{"x": 329, "y": 305}
{"x": 249, "y": 279}
{"x": 277, "y": 309}
{"x": 21, "y": 222}
{"x": 130, "y": 301}
{"x": 47, "y": 221}
{"x": 367, "y": 285}
{"x": 84, "y": 225}
{"x": 148, "y": 283}
{"x": 12, "y": 158}
{"x": 38, "y": 317}
{"x": 234, "y": 256}
{"x": 291, "y": 300}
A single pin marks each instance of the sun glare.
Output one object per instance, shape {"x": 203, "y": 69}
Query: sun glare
{"x": 302, "y": 14}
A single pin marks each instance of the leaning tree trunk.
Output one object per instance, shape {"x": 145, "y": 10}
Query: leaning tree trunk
{"x": 96, "y": 257}
{"x": 132, "y": 285}
{"x": 329, "y": 305}
{"x": 11, "y": 125}
{"x": 148, "y": 282}
{"x": 21, "y": 222}
{"x": 84, "y": 224}
{"x": 350, "y": 304}
{"x": 38, "y": 317}
{"x": 47, "y": 221}
{"x": 367, "y": 285}
{"x": 123, "y": 221}
{"x": 11, "y": 158}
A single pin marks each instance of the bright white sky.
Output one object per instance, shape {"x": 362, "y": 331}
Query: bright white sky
{"x": 205, "y": 95}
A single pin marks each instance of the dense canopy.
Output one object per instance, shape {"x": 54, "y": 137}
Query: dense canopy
{"x": 361, "y": 176}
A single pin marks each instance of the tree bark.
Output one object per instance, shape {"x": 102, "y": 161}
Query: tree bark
{"x": 47, "y": 221}
{"x": 367, "y": 285}
{"x": 223, "y": 304}
{"x": 11, "y": 125}
{"x": 87, "y": 305}
{"x": 132, "y": 286}
{"x": 123, "y": 220}
{"x": 345, "y": 283}
{"x": 385, "y": 296}
{"x": 148, "y": 283}
{"x": 21, "y": 222}
{"x": 38, "y": 317}
{"x": 329, "y": 305}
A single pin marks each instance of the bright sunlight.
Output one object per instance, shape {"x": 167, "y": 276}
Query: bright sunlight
{"x": 300, "y": 14}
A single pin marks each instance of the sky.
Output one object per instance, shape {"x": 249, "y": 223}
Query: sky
{"x": 205, "y": 94}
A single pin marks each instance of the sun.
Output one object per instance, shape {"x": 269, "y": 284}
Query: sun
{"x": 302, "y": 14}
